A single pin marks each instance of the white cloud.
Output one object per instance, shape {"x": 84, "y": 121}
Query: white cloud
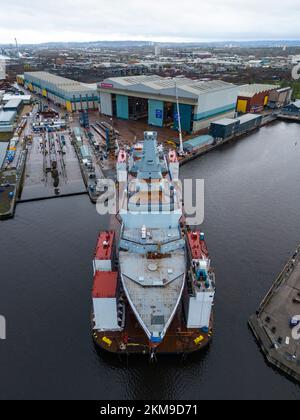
{"x": 161, "y": 20}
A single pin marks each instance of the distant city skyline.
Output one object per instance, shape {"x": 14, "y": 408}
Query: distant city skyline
{"x": 165, "y": 21}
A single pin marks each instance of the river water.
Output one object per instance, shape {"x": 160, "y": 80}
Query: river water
{"x": 252, "y": 225}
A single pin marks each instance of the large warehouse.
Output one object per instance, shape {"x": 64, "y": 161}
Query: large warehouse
{"x": 153, "y": 98}
{"x": 254, "y": 98}
{"x": 74, "y": 96}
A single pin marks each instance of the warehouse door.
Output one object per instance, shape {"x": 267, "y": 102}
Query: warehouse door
{"x": 138, "y": 108}
{"x": 168, "y": 114}
{"x": 122, "y": 107}
{"x": 156, "y": 113}
{"x": 186, "y": 117}
{"x": 242, "y": 106}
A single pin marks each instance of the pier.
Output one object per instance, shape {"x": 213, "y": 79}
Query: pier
{"x": 271, "y": 325}
{"x": 11, "y": 180}
{"x": 268, "y": 119}
{"x": 288, "y": 118}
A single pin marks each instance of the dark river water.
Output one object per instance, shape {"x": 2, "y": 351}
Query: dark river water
{"x": 252, "y": 225}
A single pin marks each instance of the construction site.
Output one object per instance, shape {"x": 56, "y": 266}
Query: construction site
{"x": 61, "y": 137}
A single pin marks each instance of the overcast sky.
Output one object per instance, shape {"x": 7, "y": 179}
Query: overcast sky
{"x": 34, "y": 21}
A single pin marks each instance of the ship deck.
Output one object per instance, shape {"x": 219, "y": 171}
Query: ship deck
{"x": 133, "y": 340}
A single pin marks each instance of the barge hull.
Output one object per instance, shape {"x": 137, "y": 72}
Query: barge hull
{"x": 133, "y": 340}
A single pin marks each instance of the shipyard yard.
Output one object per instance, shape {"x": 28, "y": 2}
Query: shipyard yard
{"x": 246, "y": 173}
{"x": 66, "y": 137}
{"x": 64, "y": 146}
{"x": 149, "y": 204}
{"x": 57, "y": 154}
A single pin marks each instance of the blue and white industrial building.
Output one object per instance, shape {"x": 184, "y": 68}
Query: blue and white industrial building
{"x": 70, "y": 94}
{"x": 7, "y": 121}
{"x": 153, "y": 98}
{"x": 13, "y": 105}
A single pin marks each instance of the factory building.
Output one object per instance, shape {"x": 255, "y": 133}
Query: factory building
{"x": 13, "y": 105}
{"x": 224, "y": 128}
{"x": 72, "y": 95}
{"x": 227, "y": 128}
{"x": 280, "y": 97}
{"x": 254, "y": 98}
{"x": 5, "y": 98}
{"x": 7, "y": 120}
{"x": 153, "y": 99}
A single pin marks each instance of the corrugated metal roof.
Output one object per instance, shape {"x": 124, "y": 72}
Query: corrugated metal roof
{"x": 248, "y": 117}
{"x": 105, "y": 285}
{"x": 8, "y": 97}
{"x": 13, "y": 103}
{"x": 250, "y": 90}
{"x": 63, "y": 83}
{"x": 286, "y": 89}
{"x": 226, "y": 121}
{"x": 165, "y": 85}
{"x": 198, "y": 141}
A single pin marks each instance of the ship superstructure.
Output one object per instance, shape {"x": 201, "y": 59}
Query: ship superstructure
{"x": 163, "y": 282}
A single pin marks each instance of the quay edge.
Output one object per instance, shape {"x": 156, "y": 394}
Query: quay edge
{"x": 273, "y": 316}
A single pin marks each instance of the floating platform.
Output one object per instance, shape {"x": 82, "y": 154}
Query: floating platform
{"x": 271, "y": 325}
{"x": 133, "y": 340}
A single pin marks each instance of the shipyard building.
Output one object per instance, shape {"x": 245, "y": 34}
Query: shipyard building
{"x": 254, "y": 98}
{"x": 280, "y": 97}
{"x": 154, "y": 100}
{"x": 7, "y": 120}
{"x": 72, "y": 95}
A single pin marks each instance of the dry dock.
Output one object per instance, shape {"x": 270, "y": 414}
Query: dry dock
{"x": 271, "y": 324}
{"x": 39, "y": 183}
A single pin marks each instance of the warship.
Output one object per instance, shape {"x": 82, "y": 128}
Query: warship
{"x": 154, "y": 286}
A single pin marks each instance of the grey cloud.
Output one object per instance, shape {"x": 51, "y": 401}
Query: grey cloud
{"x": 66, "y": 20}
